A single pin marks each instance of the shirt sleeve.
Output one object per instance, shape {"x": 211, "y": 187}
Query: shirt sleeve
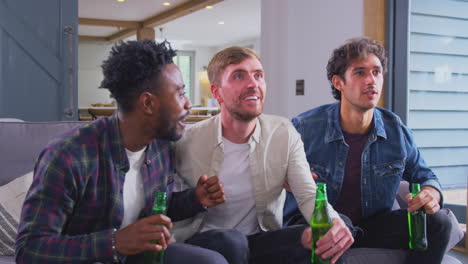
{"x": 184, "y": 205}
{"x": 416, "y": 169}
{"x": 300, "y": 179}
{"x": 48, "y": 205}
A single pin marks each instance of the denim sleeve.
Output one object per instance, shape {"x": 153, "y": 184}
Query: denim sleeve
{"x": 416, "y": 169}
{"x": 298, "y": 125}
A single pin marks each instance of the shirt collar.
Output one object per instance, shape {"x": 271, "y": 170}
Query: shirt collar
{"x": 117, "y": 147}
{"x": 333, "y": 130}
{"x": 219, "y": 131}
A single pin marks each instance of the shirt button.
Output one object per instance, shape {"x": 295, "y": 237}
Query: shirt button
{"x": 340, "y": 164}
{"x": 148, "y": 162}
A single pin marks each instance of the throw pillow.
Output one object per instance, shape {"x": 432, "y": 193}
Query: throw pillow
{"x": 12, "y": 196}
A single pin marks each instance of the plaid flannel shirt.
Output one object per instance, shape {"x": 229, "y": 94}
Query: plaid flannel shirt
{"x": 75, "y": 200}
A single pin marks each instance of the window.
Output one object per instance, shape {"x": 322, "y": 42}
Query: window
{"x": 429, "y": 86}
{"x": 185, "y": 61}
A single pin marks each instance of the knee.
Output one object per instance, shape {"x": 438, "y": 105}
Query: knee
{"x": 231, "y": 238}
{"x": 211, "y": 257}
{"x": 440, "y": 224}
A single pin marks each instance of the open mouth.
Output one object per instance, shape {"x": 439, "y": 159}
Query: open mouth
{"x": 181, "y": 120}
{"x": 251, "y": 98}
{"x": 370, "y": 93}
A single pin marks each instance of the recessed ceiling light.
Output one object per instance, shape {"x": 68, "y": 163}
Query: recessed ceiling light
{"x": 166, "y": 4}
{"x": 221, "y": 23}
{"x": 209, "y": 7}
{"x": 121, "y": 1}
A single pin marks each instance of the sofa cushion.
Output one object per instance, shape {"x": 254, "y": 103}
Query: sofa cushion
{"x": 23, "y": 141}
{"x": 11, "y": 201}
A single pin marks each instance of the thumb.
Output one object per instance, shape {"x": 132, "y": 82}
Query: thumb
{"x": 202, "y": 179}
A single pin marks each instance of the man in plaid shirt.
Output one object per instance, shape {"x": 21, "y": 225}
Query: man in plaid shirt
{"x": 93, "y": 188}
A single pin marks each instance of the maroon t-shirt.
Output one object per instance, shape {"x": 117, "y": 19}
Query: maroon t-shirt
{"x": 349, "y": 201}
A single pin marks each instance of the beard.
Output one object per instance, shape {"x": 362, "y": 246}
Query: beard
{"x": 168, "y": 127}
{"x": 243, "y": 116}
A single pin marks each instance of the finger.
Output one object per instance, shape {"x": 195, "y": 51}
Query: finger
{"x": 212, "y": 180}
{"x": 340, "y": 247}
{"x": 152, "y": 247}
{"x": 314, "y": 175}
{"x": 160, "y": 239}
{"x": 306, "y": 238}
{"x": 215, "y": 195}
{"x": 159, "y": 220}
{"x": 432, "y": 207}
{"x": 415, "y": 203}
{"x": 220, "y": 200}
{"x": 155, "y": 231}
{"x": 408, "y": 198}
{"x": 213, "y": 188}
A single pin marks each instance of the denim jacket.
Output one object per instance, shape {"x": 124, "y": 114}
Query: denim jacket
{"x": 389, "y": 156}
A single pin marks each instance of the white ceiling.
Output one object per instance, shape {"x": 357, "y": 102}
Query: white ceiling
{"x": 241, "y": 20}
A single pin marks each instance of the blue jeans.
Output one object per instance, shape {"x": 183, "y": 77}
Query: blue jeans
{"x": 178, "y": 253}
{"x": 280, "y": 246}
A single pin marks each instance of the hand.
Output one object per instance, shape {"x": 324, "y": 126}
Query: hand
{"x": 210, "y": 191}
{"x": 288, "y": 188}
{"x": 137, "y": 237}
{"x": 428, "y": 197}
{"x": 334, "y": 243}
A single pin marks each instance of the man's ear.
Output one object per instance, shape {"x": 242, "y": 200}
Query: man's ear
{"x": 338, "y": 82}
{"x": 216, "y": 92}
{"x": 148, "y": 102}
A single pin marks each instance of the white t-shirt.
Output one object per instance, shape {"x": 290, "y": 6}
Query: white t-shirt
{"x": 133, "y": 192}
{"x": 238, "y": 211}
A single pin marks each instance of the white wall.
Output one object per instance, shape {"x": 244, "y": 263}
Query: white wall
{"x": 297, "y": 39}
{"x": 90, "y": 57}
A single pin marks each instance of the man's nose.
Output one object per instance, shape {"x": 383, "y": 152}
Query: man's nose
{"x": 252, "y": 81}
{"x": 371, "y": 79}
{"x": 188, "y": 103}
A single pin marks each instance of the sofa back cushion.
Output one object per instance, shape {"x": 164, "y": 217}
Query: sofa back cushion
{"x": 21, "y": 143}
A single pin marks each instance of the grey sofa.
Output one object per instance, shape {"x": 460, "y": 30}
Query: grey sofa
{"x": 21, "y": 142}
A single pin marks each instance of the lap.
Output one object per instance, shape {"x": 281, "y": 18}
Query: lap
{"x": 183, "y": 253}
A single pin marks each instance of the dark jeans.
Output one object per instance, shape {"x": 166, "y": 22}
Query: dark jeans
{"x": 389, "y": 230}
{"x": 178, "y": 253}
{"x": 277, "y": 246}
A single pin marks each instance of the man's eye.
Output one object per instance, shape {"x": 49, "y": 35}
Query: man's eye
{"x": 182, "y": 94}
{"x": 238, "y": 77}
{"x": 360, "y": 73}
{"x": 377, "y": 72}
{"x": 258, "y": 76}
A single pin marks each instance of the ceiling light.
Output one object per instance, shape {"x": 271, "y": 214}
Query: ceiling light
{"x": 166, "y": 4}
{"x": 221, "y": 23}
{"x": 121, "y": 1}
{"x": 209, "y": 7}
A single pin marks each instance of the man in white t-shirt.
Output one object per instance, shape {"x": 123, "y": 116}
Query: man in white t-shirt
{"x": 253, "y": 154}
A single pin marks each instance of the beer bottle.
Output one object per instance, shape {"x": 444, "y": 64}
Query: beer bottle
{"x": 159, "y": 207}
{"x": 320, "y": 222}
{"x": 417, "y": 224}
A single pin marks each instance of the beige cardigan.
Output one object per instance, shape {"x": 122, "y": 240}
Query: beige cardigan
{"x": 276, "y": 154}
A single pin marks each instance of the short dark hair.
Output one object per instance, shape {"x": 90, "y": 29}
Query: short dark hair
{"x": 354, "y": 49}
{"x": 131, "y": 67}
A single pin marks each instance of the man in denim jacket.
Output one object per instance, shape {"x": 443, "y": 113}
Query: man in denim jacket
{"x": 363, "y": 152}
